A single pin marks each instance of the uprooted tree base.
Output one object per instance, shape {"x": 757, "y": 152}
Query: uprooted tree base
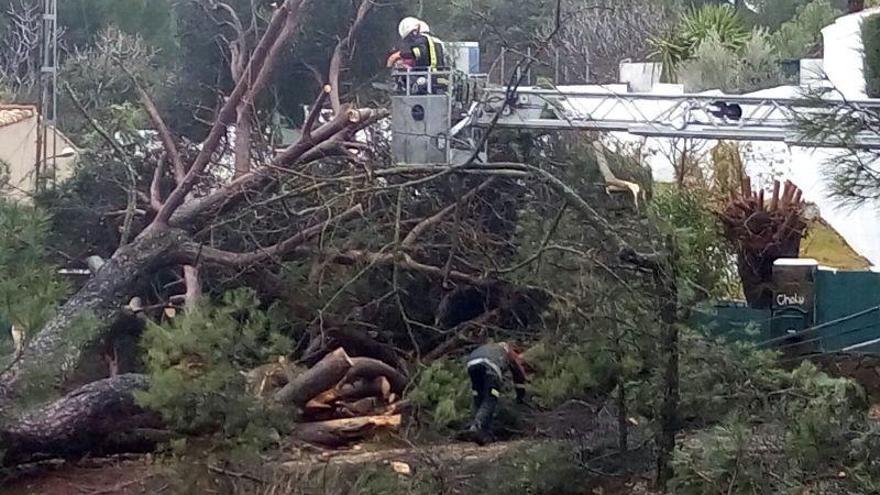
{"x": 764, "y": 231}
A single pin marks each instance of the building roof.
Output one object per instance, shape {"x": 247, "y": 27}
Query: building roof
{"x": 13, "y": 114}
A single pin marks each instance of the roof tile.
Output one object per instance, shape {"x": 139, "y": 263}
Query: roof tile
{"x": 13, "y": 114}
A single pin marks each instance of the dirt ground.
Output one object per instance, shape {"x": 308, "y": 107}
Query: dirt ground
{"x": 143, "y": 476}
{"x": 130, "y": 476}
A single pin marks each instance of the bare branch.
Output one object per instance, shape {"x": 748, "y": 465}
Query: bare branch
{"x": 262, "y": 61}
{"x": 227, "y": 258}
{"x": 344, "y": 44}
{"x": 164, "y": 133}
{"x": 155, "y": 191}
{"x": 93, "y": 123}
{"x": 316, "y": 111}
{"x": 406, "y": 262}
{"x": 425, "y": 224}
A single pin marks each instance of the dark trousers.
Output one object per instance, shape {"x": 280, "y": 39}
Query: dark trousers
{"x": 486, "y": 386}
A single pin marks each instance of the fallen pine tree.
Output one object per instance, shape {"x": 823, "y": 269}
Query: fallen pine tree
{"x": 103, "y": 417}
{"x": 99, "y": 418}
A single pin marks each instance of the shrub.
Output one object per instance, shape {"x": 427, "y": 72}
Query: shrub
{"x": 569, "y": 373}
{"x": 716, "y": 459}
{"x": 821, "y": 415}
{"x": 195, "y": 364}
{"x": 542, "y": 469}
{"x": 719, "y": 377}
{"x": 751, "y": 66}
{"x": 871, "y": 39}
{"x": 718, "y": 22}
{"x": 798, "y": 36}
{"x": 442, "y": 394}
{"x": 30, "y": 287}
{"x": 804, "y": 426}
{"x": 707, "y": 265}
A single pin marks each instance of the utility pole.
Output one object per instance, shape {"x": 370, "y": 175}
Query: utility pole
{"x": 48, "y": 106}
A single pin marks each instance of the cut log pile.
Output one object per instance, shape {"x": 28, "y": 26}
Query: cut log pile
{"x": 764, "y": 231}
{"x": 344, "y": 399}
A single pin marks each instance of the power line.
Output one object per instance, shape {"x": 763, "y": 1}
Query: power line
{"x": 820, "y": 327}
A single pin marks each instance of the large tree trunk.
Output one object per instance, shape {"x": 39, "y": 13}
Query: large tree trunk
{"x": 368, "y": 369}
{"x": 321, "y": 377}
{"x": 340, "y": 432}
{"x": 86, "y": 318}
{"x": 356, "y": 343}
{"x": 100, "y": 417}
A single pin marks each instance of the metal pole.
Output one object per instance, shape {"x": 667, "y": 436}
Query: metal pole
{"x": 556, "y": 69}
{"x": 54, "y": 76}
{"x": 529, "y": 73}
{"x": 48, "y": 93}
{"x": 501, "y": 79}
{"x": 587, "y": 65}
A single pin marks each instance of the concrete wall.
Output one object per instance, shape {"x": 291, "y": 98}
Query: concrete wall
{"x": 18, "y": 150}
{"x": 844, "y": 54}
{"x": 640, "y": 76}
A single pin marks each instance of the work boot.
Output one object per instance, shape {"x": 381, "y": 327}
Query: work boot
{"x": 482, "y": 438}
{"x": 468, "y": 435}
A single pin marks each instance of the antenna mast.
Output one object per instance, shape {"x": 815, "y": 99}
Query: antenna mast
{"x": 46, "y": 153}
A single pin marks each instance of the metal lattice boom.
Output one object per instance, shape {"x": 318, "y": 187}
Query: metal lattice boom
{"x": 700, "y": 116}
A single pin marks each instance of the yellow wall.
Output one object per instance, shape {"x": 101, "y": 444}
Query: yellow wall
{"x": 18, "y": 149}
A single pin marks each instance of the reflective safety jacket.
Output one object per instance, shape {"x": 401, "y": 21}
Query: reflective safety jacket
{"x": 423, "y": 51}
{"x": 498, "y": 359}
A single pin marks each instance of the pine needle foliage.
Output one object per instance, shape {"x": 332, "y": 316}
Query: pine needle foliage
{"x": 196, "y": 364}
{"x": 30, "y": 287}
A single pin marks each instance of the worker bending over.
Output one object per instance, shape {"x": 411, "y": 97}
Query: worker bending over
{"x": 486, "y": 366}
{"x": 420, "y": 51}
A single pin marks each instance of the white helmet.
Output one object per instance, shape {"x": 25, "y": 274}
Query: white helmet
{"x": 410, "y": 24}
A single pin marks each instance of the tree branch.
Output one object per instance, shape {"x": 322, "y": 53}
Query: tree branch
{"x": 316, "y": 111}
{"x": 164, "y": 133}
{"x": 343, "y": 44}
{"x": 262, "y": 61}
{"x": 406, "y": 262}
{"x": 155, "y": 190}
{"x": 241, "y": 260}
{"x": 425, "y": 224}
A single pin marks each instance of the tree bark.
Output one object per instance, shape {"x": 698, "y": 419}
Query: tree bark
{"x": 320, "y": 378}
{"x": 87, "y": 317}
{"x": 361, "y": 389}
{"x": 762, "y": 233}
{"x": 193, "y": 286}
{"x": 335, "y": 70}
{"x": 100, "y": 417}
{"x": 667, "y": 293}
{"x": 340, "y": 432}
{"x": 355, "y": 342}
{"x": 243, "y": 140}
{"x": 369, "y": 369}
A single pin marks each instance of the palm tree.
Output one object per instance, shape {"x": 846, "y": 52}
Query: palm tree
{"x": 721, "y": 22}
